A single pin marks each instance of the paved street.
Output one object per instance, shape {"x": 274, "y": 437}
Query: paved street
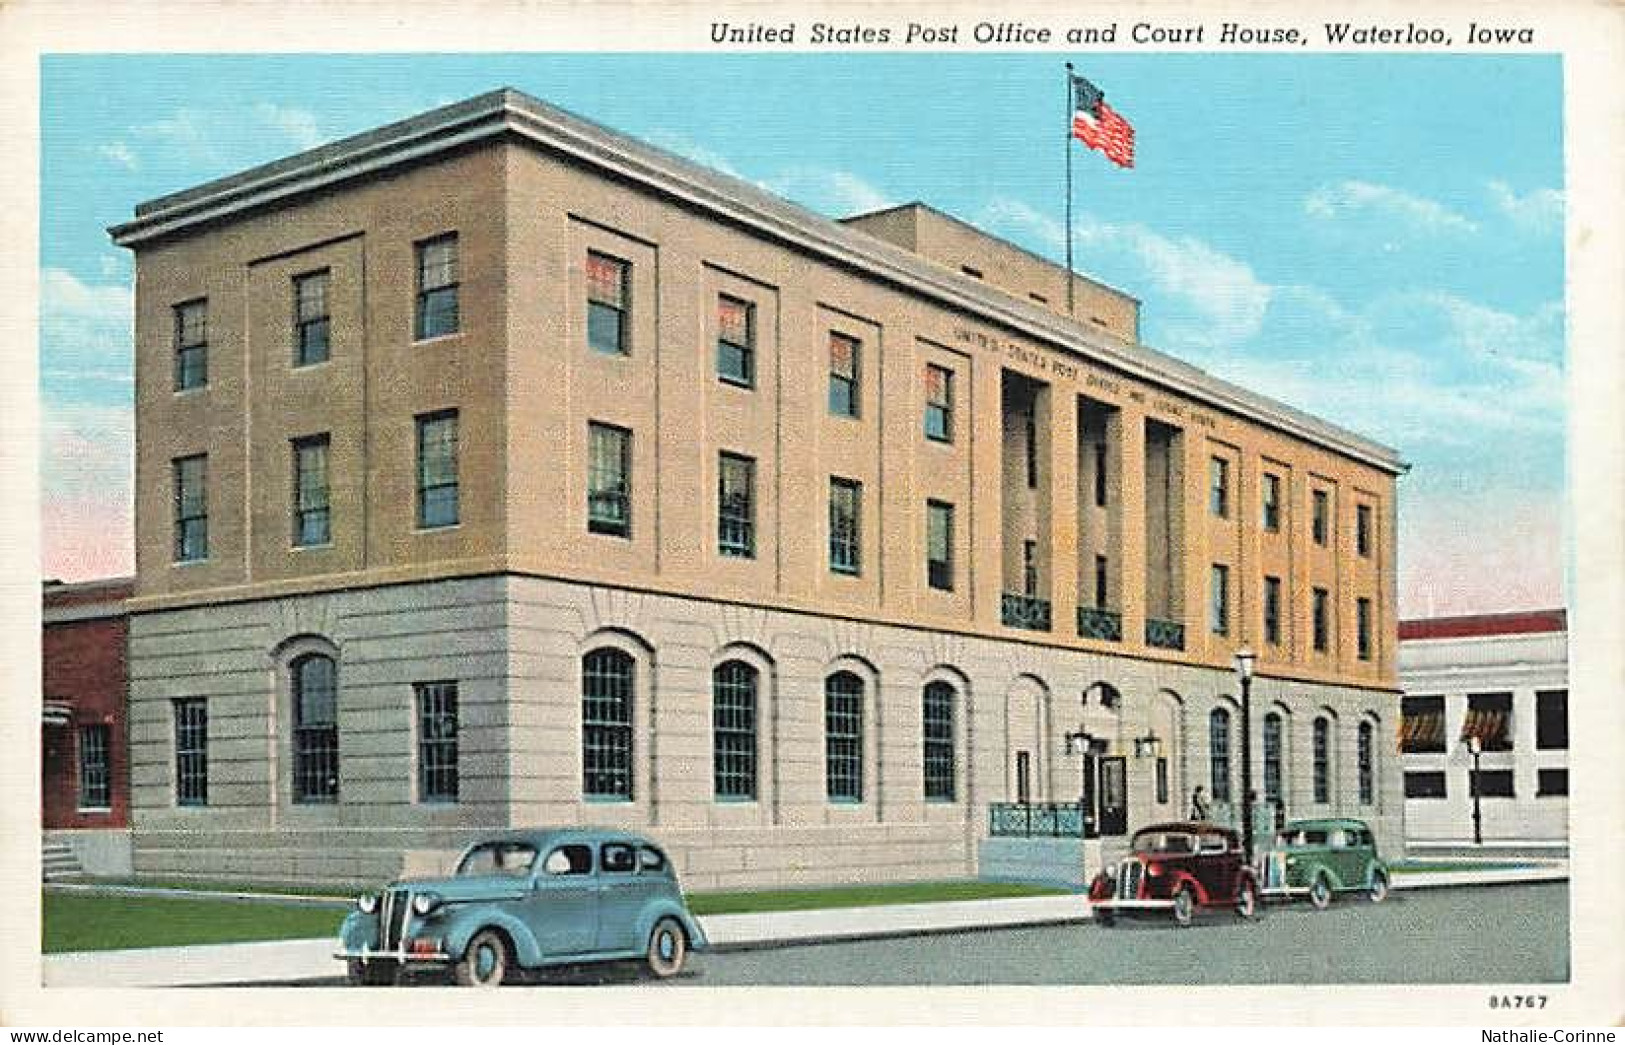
{"x": 1514, "y": 934}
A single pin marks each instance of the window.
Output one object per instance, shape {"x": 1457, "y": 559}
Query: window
{"x": 1425, "y": 785}
{"x": 310, "y": 318}
{"x": 1031, "y": 437}
{"x": 843, "y": 737}
{"x": 939, "y": 403}
{"x": 1024, "y": 777}
{"x": 1362, "y": 530}
{"x": 437, "y": 313}
{"x": 845, "y": 534}
{"x": 1272, "y": 758}
{"x": 651, "y": 859}
{"x": 315, "y": 729}
{"x": 845, "y": 397}
{"x": 1364, "y": 758}
{"x": 191, "y": 345}
{"x": 1100, "y": 474}
{"x": 606, "y": 725}
{"x": 939, "y": 545}
{"x": 617, "y": 858}
{"x": 1421, "y": 727}
{"x": 1551, "y": 783}
{"x": 1162, "y": 779}
{"x": 736, "y": 506}
{"x": 437, "y": 741}
{"x": 191, "y": 508}
{"x": 1219, "y": 600}
{"x": 1323, "y": 760}
{"x": 1320, "y": 523}
{"x": 312, "y": 516}
{"x": 733, "y": 726}
{"x": 1219, "y": 487}
{"x": 1029, "y": 569}
{"x": 1272, "y": 610}
{"x": 565, "y": 860}
{"x": 1218, "y": 724}
{"x": 515, "y": 859}
{"x": 1493, "y": 783}
{"x": 1322, "y": 622}
{"x": 1362, "y": 628}
{"x": 609, "y": 480}
{"x": 1100, "y": 582}
{"x": 1271, "y": 512}
{"x": 608, "y": 299}
{"x": 437, "y": 470}
{"x": 191, "y": 751}
{"x": 736, "y": 341}
{"x": 1552, "y": 719}
{"x": 937, "y": 728}
{"x": 95, "y": 767}
{"x": 1489, "y": 718}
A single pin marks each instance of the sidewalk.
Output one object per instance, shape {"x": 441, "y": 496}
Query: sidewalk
{"x": 287, "y": 960}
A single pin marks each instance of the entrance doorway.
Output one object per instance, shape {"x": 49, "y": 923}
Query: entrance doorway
{"x": 1105, "y": 793}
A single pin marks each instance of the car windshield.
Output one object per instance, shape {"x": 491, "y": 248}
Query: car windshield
{"x": 1300, "y": 837}
{"x": 513, "y": 859}
{"x": 1165, "y": 842}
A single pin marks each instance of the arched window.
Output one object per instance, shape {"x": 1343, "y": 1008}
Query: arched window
{"x": 1219, "y": 753}
{"x": 843, "y": 737}
{"x": 1323, "y": 760}
{"x": 1365, "y": 758}
{"x": 733, "y": 730}
{"x": 315, "y": 728}
{"x": 607, "y": 688}
{"x": 937, "y": 729}
{"x": 1272, "y": 758}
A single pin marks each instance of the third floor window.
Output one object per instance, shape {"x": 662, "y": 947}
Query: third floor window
{"x": 939, "y": 403}
{"x": 437, "y": 470}
{"x": 1272, "y": 502}
{"x": 310, "y": 318}
{"x": 1219, "y": 487}
{"x": 312, "y": 516}
{"x": 736, "y": 341}
{"x": 437, "y": 311}
{"x": 1219, "y": 600}
{"x": 844, "y": 390}
{"x": 1362, "y": 530}
{"x": 939, "y": 545}
{"x": 191, "y": 345}
{"x": 609, "y": 480}
{"x": 608, "y": 296}
{"x": 191, "y": 477}
{"x": 1321, "y": 522}
{"x": 736, "y": 506}
{"x": 1272, "y": 610}
{"x": 1322, "y": 619}
{"x": 845, "y": 535}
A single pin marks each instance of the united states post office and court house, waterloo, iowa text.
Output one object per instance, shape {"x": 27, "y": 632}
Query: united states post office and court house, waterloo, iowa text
{"x": 497, "y": 469}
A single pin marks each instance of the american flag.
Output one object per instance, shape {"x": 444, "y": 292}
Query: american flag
{"x": 1098, "y": 126}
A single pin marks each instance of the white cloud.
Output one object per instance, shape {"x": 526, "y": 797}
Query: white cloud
{"x": 689, "y": 149}
{"x": 836, "y": 192}
{"x": 1536, "y": 211}
{"x": 224, "y": 138}
{"x": 297, "y": 125}
{"x": 1413, "y": 213}
{"x": 184, "y": 133}
{"x": 121, "y": 154}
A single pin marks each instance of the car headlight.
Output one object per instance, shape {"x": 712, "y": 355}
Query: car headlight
{"x": 1292, "y": 861}
{"x": 424, "y": 904}
{"x": 367, "y": 903}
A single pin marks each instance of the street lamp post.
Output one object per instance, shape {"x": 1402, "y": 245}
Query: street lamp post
{"x": 1475, "y": 747}
{"x": 1078, "y": 744}
{"x": 1244, "y": 672}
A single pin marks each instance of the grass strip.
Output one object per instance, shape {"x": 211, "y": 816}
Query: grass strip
{"x": 80, "y": 922}
{"x": 760, "y": 901}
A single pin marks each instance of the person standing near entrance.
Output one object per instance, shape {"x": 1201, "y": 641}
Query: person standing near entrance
{"x": 1199, "y": 807}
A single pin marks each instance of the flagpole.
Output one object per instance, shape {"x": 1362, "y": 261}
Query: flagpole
{"x": 1071, "y": 309}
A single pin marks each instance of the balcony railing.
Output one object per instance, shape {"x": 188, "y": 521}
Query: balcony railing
{"x": 1023, "y": 611}
{"x": 1038, "y": 820}
{"x": 1094, "y": 623}
{"x": 1164, "y": 634}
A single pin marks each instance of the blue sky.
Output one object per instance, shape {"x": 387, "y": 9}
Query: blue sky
{"x": 1374, "y": 238}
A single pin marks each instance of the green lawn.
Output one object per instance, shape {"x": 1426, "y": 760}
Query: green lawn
{"x": 1445, "y": 866}
{"x": 85, "y": 922}
{"x": 859, "y": 896}
{"x": 274, "y": 888}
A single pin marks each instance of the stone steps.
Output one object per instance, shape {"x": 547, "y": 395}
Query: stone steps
{"x": 58, "y": 861}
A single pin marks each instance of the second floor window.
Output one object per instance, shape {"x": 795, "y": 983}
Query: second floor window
{"x": 1272, "y": 610}
{"x": 1219, "y": 600}
{"x": 312, "y": 519}
{"x": 608, "y": 295}
{"x": 1362, "y": 530}
{"x": 939, "y": 403}
{"x": 609, "y": 480}
{"x": 191, "y": 508}
{"x": 844, "y": 390}
{"x": 191, "y": 751}
{"x": 310, "y": 319}
{"x": 1362, "y": 628}
{"x": 1272, "y": 502}
{"x": 437, "y": 470}
{"x": 736, "y": 341}
{"x": 1421, "y": 724}
{"x": 1219, "y": 487}
{"x": 1322, "y": 619}
{"x": 437, "y": 309}
{"x": 437, "y": 741}
{"x": 736, "y": 506}
{"x": 845, "y": 535}
{"x": 191, "y": 345}
{"x": 1320, "y": 523}
{"x": 1552, "y": 719}
{"x": 95, "y": 767}
{"x": 1489, "y": 718}
{"x": 939, "y": 545}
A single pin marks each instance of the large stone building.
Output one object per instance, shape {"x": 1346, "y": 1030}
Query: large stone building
{"x": 494, "y": 468}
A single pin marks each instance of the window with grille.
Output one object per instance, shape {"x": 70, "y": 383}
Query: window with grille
{"x": 845, "y": 533}
{"x": 733, "y": 725}
{"x": 1219, "y": 487}
{"x": 191, "y": 345}
{"x": 1552, "y": 719}
{"x": 315, "y": 729}
{"x": 608, "y": 301}
{"x": 843, "y": 737}
{"x": 736, "y": 341}
{"x": 1219, "y": 600}
{"x": 1272, "y": 757}
{"x": 1362, "y": 628}
{"x": 1322, "y": 757}
{"x": 609, "y": 480}
{"x": 1362, "y": 530}
{"x": 1365, "y": 763}
{"x": 939, "y": 545}
{"x": 607, "y": 691}
{"x": 937, "y": 726}
{"x": 736, "y": 506}
{"x": 844, "y": 390}
{"x": 1272, "y": 610}
{"x": 312, "y": 515}
{"x": 191, "y": 477}
{"x": 311, "y": 321}
{"x": 1272, "y": 502}
{"x": 939, "y": 403}
{"x": 437, "y": 309}
{"x": 1322, "y": 619}
{"x": 191, "y": 751}
{"x": 95, "y": 767}
{"x": 437, "y": 470}
{"x": 437, "y": 741}
{"x": 1320, "y": 524}
{"x": 1218, "y": 726}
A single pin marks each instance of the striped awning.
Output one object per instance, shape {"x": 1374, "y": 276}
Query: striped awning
{"x": 1490, "y": 727}
{"x": 57, "y": 713}
{"x": 1424, "y": 731}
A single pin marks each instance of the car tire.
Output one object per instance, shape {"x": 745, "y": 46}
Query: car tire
{"x": 1105, "y": 917}
{"x": 378, "y": 973}
{"x": 1320, "y": 893}
{"x": 668, "y": 946}
{"x": 1379, "y": 887}
{"x": 485, "y": 961}
{"x": 1247, "y": 900}
{"x": 1184, "y": 906}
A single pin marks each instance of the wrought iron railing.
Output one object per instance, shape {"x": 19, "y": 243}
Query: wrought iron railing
{"x": 1096, "y": 623}
{"x": 1164, "y": 634}
{"x": 1038, "y": 820}
{"x": 1024, "y": 611}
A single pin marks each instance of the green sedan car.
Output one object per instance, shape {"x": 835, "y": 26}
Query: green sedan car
{"x": 1319, "y": 858}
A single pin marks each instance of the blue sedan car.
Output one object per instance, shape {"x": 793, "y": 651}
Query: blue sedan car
{"x": 525, "y": 900}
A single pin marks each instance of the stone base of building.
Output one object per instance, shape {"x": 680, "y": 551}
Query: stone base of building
{"x": 101, "y": 853}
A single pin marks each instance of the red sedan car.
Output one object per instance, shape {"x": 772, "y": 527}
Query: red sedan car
{"x": 1177, "y": 868}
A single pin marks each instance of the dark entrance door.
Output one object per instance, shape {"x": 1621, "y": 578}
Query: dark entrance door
{"x": 1112, "y": 813}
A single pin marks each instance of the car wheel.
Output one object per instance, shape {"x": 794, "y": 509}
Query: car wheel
{"x": 1247, "y": 900}
{"x": 668, "y": 946}
{"x": 1320, "y": 892}
{"x": 1105, "y": 916}
{"x": 485, "y": 961}
{"x": 1184, "y": 906}
{"x": 379, "y": 973}
{"x": 1379, "y": 887}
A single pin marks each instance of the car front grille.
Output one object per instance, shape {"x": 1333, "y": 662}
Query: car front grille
{"x": 1128, "y": 880}
{"x": 392, "y": 910}
{"x": 1274, "y": 870}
